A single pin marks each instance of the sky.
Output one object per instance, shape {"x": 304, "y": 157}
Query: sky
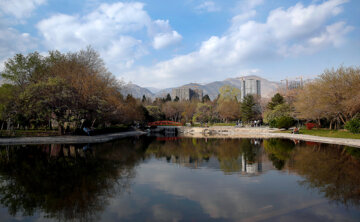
{"x": 162, "y": 43}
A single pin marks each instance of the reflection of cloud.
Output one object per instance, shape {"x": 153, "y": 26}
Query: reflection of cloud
{"x": 163, "y": 214}
{"x": 225, "y": 196}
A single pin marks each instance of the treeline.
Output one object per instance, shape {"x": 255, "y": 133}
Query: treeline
{"x": 74, "y": 90}
{"x": 330, "y": 101}
{"x": 226, "y": 108}
{"x": 71, "y": 90}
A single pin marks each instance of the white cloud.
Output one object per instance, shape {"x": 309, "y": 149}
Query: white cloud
{"x": 163, "y": 40}
{"x": 19, "y": 8}
{"x": 163, "y": 35}
{"x": 12, "y": 42}
{"x": 110, "y": 29}
{"x": 286, "y": 32}
{"x": 207, "y": 6}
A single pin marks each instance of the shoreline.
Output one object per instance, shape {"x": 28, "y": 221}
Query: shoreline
{"x": 68, "y": 139}
{"x": 261, "y": 133}
{"x": 187, "y": 132}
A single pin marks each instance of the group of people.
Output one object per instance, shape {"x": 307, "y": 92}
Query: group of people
{"x": 254, "y": 123}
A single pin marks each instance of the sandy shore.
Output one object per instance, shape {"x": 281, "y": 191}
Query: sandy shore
{"x": 261, "y": 133}
{"x": 68, "y": 139}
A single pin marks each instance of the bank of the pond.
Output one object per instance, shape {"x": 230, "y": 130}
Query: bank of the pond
{"x": 261, "y": 132}
{"x": 68, "y": 139}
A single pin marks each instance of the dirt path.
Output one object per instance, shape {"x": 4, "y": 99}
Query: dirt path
{"x": 68, "y": 139}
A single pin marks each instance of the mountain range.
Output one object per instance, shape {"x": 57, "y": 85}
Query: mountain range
{"x": 268, "y": 88}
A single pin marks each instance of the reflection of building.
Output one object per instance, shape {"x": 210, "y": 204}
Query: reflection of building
{"x": 250, "y": 86}
{"x": 251, "y": 168}
{"x": 186, "y": 93}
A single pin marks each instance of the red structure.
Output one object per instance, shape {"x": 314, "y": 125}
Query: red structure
{"x": 164, "y": 123}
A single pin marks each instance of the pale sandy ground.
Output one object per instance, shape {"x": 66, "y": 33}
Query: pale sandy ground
{"x": 259, "y": 132}
{"x": 68, "y": 139}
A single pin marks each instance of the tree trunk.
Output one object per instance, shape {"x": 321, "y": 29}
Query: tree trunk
{"x": 331, "y": 124}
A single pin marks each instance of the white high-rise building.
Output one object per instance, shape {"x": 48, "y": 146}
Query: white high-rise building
{"x": 250, "y": 86}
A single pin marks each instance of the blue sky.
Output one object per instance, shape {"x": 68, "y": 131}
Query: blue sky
{"x": 162, "y": 43}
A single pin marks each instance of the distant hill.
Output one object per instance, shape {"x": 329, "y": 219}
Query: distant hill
{"x": 136, "y": 91}
{"x": 268, "y": 88}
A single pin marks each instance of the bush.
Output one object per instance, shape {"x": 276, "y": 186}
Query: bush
{"x": 272, "y": 123}
{"x": 353, "y": 125}
{"x": 285, "y": 122}
{"x": 309, "y": 126}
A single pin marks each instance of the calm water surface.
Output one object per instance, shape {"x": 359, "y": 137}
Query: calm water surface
{"x": 174, "y": 179}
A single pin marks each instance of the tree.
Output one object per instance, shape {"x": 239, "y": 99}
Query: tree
{"x": 248, "y": 108}
{"x": 155, "y": 113}
{"x": 143, "y": 99}
{"x": 22, "y": 70}
{"x": 6, "y": 98}
{"x": 189, "y": 110}
{"x": 228, "y": 92}
{"x": 334, "y": 96}
{"x": 168, "y": 98}
{"x": 229, "y": 110}
{"x": 176, "y": 99}
{"x": 203, "y": 113}
{"x": 173, "y": 110}
{"x": 42, "y": 87}
{"x": 206, "y": 99}
{"x": 277, "y": 99}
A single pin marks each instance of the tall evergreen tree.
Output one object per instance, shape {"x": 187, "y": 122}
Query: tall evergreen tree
{"x": 248, "y": 108}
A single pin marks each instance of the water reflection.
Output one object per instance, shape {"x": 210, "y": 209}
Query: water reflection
{"x": 64, "y": 182}
{"x": 229, "y": 179}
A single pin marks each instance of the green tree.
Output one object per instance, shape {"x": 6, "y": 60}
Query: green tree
{"x": 206, "y": 99}
{"x": 248, "y": 108}
{"x": 276, "y": 100}
{"x": 228, "y": 92}
{"x": 168, "y": 98}
{"x": 203, "y": 113}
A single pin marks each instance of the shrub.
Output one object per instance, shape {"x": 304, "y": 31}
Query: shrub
{"x": 285, "y": 122}
{"x": 272, "y": 123}
{"x": 309, "y": 126}
{"x": 353, "y": 125}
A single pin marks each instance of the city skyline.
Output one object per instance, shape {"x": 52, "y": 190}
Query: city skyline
{"x": 167, "y": 44}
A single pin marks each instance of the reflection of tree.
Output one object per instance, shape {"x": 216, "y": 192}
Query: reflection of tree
{"x": 63, "y": 186}
{"x": 227, "y": 151}
{"x": 279, "y": 150}
{"x": 331, "y": 170}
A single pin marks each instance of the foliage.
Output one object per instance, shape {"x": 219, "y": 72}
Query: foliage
{"x": 284, "y": 122}
{"x": 64, "y": 88}
{"x": 203, "y": 113}
{"x": 353, "y": 125}
{"x": 276, "y": 100}
{"x": 229, "y": 93}
{"x": 248, "y": 108}
{"x": 277, "y": 112}
{"x": 154, "y": 113}
{"x": 206, "y": 98}
{"x": 335, "y": 96}
{"x": 228, "y": 110}
{"x": 309, "y": 126}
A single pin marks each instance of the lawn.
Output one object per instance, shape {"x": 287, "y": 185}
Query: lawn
{"x": 327, "y": 133}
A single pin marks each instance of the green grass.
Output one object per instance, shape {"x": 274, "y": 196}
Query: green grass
{"x": 327, "y": 133}
{"x": 21, "y": 133}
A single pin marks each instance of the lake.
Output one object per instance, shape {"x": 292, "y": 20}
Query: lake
{"x": 180, "y": 179}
